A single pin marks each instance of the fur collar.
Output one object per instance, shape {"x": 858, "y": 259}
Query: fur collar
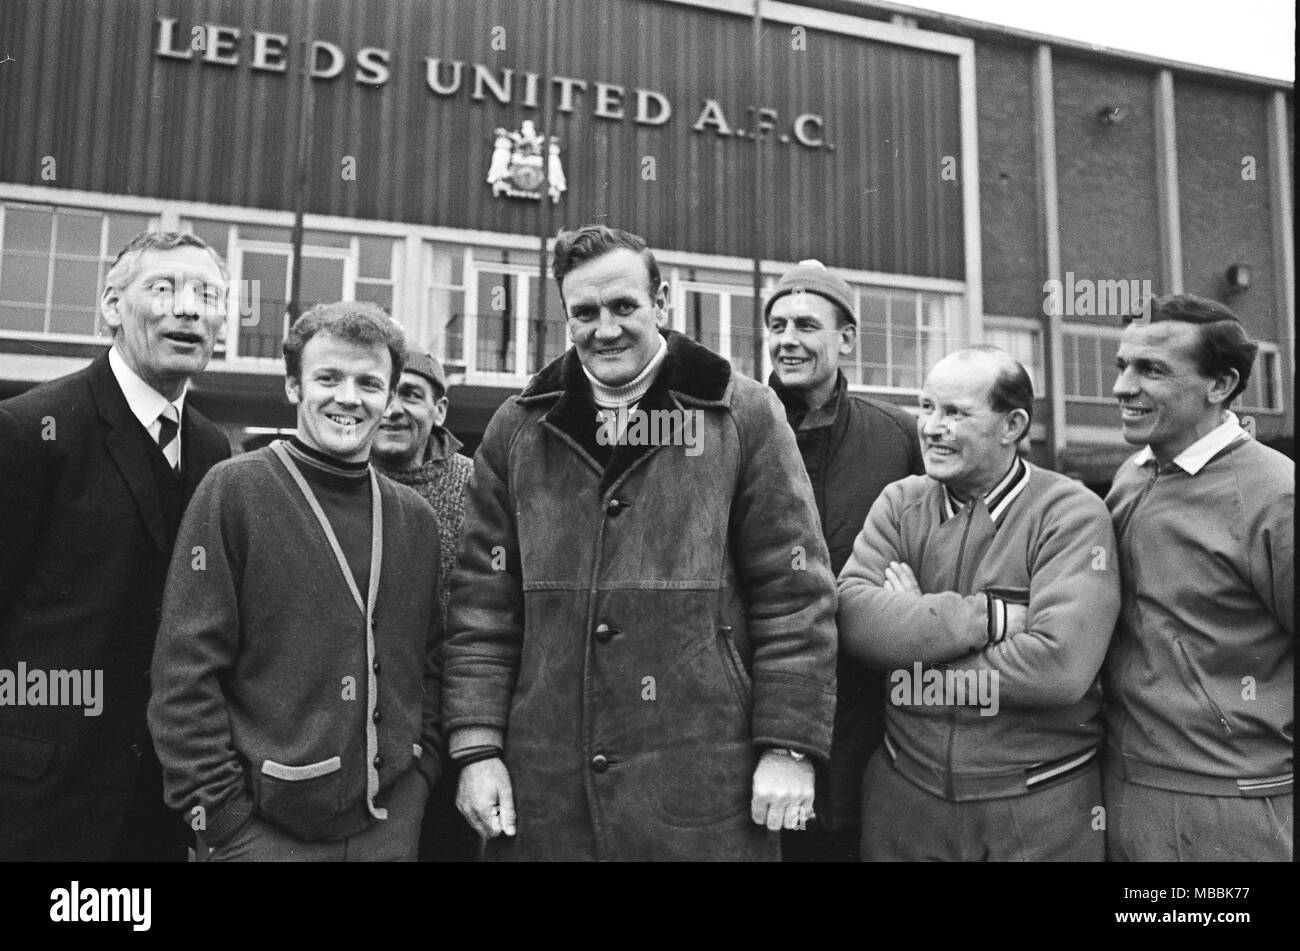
{"x": 691, "y": 374}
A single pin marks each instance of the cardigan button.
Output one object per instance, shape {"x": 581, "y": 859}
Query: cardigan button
{"x": 376, "y": 668}
{"x": 379, "y": 762}
{"x": 600, "y": 762}
{"x": 377, "y": 716}
{"x": 604, "y": 632}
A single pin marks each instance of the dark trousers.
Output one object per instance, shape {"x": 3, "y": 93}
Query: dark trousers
{"x": 901, "y": 822}
{"x": 394, "y": 839}
{"x": 1144, "y": 824}
{"x": 820, "y": 845}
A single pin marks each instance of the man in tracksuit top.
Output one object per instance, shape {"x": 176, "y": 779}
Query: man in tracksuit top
{"x": 1201, "y": 675}
{"x": 988, "y": 588}
{"x": 295, "y": 706}
{"x": 852, "y": 446}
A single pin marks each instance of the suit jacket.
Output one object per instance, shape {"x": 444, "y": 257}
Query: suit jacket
{"x": 85, "y": 540}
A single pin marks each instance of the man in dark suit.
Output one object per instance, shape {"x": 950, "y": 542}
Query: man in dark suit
{"x": 95, "y": 471}
{"x": 852, "y": 446}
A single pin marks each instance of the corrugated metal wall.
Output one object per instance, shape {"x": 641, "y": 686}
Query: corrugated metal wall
{"x": 90, "y": 90}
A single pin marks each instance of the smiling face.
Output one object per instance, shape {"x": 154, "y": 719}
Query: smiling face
{"x": 341, "y": 396}
{"x": 411, "y": 415}
{"x": 166, "y": 318}
{"x": 805, "y": 342}
{"x": 966, "y": 444}
{"x": 612, "y": 316}
{"x": 1164, "y": 401}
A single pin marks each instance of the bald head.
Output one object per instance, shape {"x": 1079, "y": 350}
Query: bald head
{"x": 976, "y": 406}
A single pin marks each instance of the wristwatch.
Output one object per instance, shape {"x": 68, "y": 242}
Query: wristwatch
{"x": 793, "y": 754}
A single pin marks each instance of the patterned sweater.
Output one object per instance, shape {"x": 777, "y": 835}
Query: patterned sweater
{"x": 440, "y": 479}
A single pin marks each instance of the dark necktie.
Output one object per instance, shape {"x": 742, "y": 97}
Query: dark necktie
{"x": 168, "y": 429}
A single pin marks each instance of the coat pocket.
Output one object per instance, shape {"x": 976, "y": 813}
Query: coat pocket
{"x": 26, "y": 757}
{"x": 301, "y": 799}
{"x": 734, "y": 667}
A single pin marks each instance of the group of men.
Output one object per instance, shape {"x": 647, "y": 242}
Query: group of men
{"x": 609, "y": 646}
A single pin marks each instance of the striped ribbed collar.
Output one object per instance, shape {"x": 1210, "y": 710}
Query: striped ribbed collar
{"x": 998, "y": 500}
{"x": 333, "y": 469}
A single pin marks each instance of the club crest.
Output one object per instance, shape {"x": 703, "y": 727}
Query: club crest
{"x": 517, "y": 168}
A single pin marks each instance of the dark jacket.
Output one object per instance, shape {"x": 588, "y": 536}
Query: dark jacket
{"x": 85, "y": 537}
{"x": 852, "y": 447}
{"x": 274, "y": 693}
{"x": 641, "y": 630}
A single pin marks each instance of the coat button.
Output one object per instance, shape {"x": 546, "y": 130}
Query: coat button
{"x": 616, "y": 506}
{"x": 604, "y": 632}
{"x": 600, "y": 762}
{"x": 377, "y": 716}
{"x": 379, "y": 762}
{"x": 136, "y": 751}
{"x": 376, "y": 668}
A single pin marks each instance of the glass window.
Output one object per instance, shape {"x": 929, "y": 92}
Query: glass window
{"x": 376, "y": 258}
{"x": 28, "y": 228}
{"x": 703, "y": 319}
{"x": 25, "y": 278}
{"x": 742, "y": 333}
{"x": 375, "y": 293}
{"x": 498, "y": 297}
{"x": 322, "y": 239}
{"x": 1089, "y": 362}
{"x": 215, "y": 233}
{"x": 79, "y": 233}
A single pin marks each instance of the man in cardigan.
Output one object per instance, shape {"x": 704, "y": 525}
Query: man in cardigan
{"x": 295, "y": 679}
{"x": 852, "y": 447}
{"x": 1201, "y": 675}
{"x": 95, "y": 471}
{"x": 989, "y": 589}
{"x": 412, "y": 447}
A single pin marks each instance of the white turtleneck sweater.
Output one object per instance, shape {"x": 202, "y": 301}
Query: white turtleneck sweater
{"x": 610, "y": 399}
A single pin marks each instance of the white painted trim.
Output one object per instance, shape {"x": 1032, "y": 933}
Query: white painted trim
{"x": 1054, "y": 344}
{"x": 1092, "y": 330}
{"x": 53, "y": 337}
{"x": 1171, "y": 229}
{"x": 1005, "y": 322}
{"x": 970, "y": 170}
{"x": 838, "y": 23}
{"x": 1098, "y": 435}
{"x": 1280, "y": 171}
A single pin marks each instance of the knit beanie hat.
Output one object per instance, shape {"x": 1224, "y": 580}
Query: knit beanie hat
{"x": 427, "y": 366}
{"x": 812, "y": 277}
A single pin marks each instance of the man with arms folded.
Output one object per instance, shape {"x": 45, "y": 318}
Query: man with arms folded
{"x": 989, "y": 587}
{"x": 642, "y": 653}
{"x": 1200, "y": 678}
{"x": 295, "y": 695}
{"x": 852, "y": 447}
{"x": 96, "y": 469}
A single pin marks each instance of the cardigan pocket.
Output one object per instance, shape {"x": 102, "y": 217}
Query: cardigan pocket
{"x": 302, "y": 799}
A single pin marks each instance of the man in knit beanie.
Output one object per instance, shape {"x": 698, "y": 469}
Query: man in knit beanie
{"x": 852, "y": 446}
{"x": 413, "y": 447}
